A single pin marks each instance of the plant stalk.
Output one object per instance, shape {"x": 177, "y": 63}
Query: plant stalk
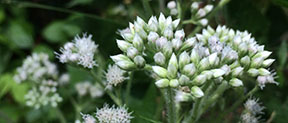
{"x": 170, "y": 105}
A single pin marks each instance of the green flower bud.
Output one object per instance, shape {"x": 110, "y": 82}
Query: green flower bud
{"x": 153, "y": 24}
{"x": 139, "y": 61}
{"x": 179, "y": 34}
{"x": 162, "y": 83}
{"x": 183, "y": 59}
{"x": 195, "y": 58}
{"x": 183, "y": 80}
{"x": 160, "y": 71}
{"x": 208, "y": 74}
{"x": 167, "y": 50}
{"x": 245, "y": 60}
{"x": 153, "y": 36}
{"x": 140, "y": 31}
{"x": 234, "y": 65}
{"x": 243, "y": 48}
{"x": 200, "y": 79}
{"x": 268, "y": 62}
{"x": 175, "y": 23}
{"x": 176, "y": 43}
{"x": 189, "y": 69}
{"x": 210, "y": 30}
{"x": 262, "y": 54}
{"x": 138, "y": 42}
{"x": 172, "y": 71}
{"x": 162, "y": 21}
{"x": 264, "y": 72}
{"x": 218, "y": 73}
{"x": 123, "y": 45}
{"x": 132, "y": 52}
{"x": 174, "y": 83}
{"x": 173, "y": 61}
{"x": 197, "y": 92}
{"x": 212, "y": 59}
{"x": 236, "y": 82}
{"x": 168, "y": 32}
{"x": 238, "y": 71}
{"x": 119, "y": 57}
{"x": 126, "y": 65}
{"x": 257, "y": 62}
{"x": 253, "y": 72}
{"x": 189, "y": 43}
{"x": 159, "y": 58}
{"x": 204, "y": 64}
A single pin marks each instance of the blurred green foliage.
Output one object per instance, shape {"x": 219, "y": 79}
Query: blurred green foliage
{"x": 27, "y": 28}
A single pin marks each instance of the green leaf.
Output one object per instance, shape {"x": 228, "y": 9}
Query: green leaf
{"x": 282, "y": 54}
{"x": 79, "y": 2}
{"x": 60, "y": 31}
{"x": 283, "y": 3}
{"x": 5, "y": 55}
{"x": 42, "y": 48}
{"x": 20, "y": 33}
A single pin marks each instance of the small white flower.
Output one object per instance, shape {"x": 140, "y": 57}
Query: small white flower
{"x": 115, "y": 75}
{"x": 96, "y": 91}
{"x": 203, "y": 21}
{"x": 82, "y": 88}
{"x": 171, "y": 5}
{"x": 88, "y": 118}
{"x": 113, "y": 115}
{"x": 263, "y": 80}
{"x": 253, "y": 106}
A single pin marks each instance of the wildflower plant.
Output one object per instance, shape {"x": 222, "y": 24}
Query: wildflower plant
{"x": 194, "y": 68}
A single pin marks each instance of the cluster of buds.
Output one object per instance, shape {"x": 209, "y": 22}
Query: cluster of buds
{"x": 43, "y": 74}
{"x": 199, "y": 14}
{"x": 109, "y": 115}
{"x": 215, "y": 55}
{"x": 172, "y": 6}
{"x": 83, "y": 88}
{"x": 80, "y": 51}
{"x": 252, "y": 111}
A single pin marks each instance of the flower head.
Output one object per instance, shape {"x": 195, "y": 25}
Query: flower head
{"x": 80, "y": 51}
{"x": 115, "y": 75}
{"x": 113, "y": 114}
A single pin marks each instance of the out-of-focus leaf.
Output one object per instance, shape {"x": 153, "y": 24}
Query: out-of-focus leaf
{"x": 283, "y": 3}
{"x": 282, "y": 54}
{"x": 20, "y": 33}
{"x": 5, "y": 57}
{"x": 79, "y": 2}
{"x": 2, "y": 15}
{"x": 9, "y": 113}
{"x": 60, "y": 31}
{"x": 44, "y": 49}
{"x": 5, "y": 84}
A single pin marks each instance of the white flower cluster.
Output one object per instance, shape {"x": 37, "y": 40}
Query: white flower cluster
{"x": 172, "y": 6}
{"x": 86, "y": 87}
{"x": 215, "y": 55}
{"x": 80, "y": 51}
{"x": 251, "y": 112}
{"x": 115, "y": 75}
{"x": 109, "y": 115}
{"x": 199, "y": 14}
{"x": 43, "y": 73}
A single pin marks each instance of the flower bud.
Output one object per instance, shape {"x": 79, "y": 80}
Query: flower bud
{"x": 173, "y": 11}
{"x": 226, "y": 68}
{"x": 173, "y": 61}
{"x": 204, "y": 64}
{"x": 268, "y": 62}
{"x": 119, "y": 57}
{"x": 201, "y": 13}
{"x": 183, "y": 97}
{"x": 200, "y": 79}
{"x": 132, "y": 52}
{"x": 68, "y": 45}
{"x": 238, "y": 71}
{"x": 159, "y": 58}
{"x": 212, "y": 59}
{"x": 257, "y": 62}
{"x": 237, "y": 40}
{"x": 189, "y": 69}
{"x": 210, "y": 30}
{"x": 263, "y": 54}
{"x": 139, "y": 61}
{"x": 218, "y": 73}
{"x": 183, "y": 80}
{"x": 140, "y": 21}
{"x": 208, "y": 8}
{"x": 123, "y": 45}
{"x": 160, "y": 42}
{"x": 208, "y": 74}
{"x": 195, "y": 58}
{"x": 126, "y": 65}
{"x": 153, "y": 36}
{"x": 179, "y": 34}
{"x": 168, "y": 32}
{"x": 126, "y": 34}
{"x": 264, "y": 72}
{"x": 140, "y": 31}
{"x": 171, "y": 5}
{"x": 253, "y": 72}
{"x": 203, "y": 22}
{"x": 161, "y": 21}
{"x": 153, "y": 24}
{"x": 138, "y": 42}
{"x": 197, "y": 92}
{"x": 162, "y": 83}
{"x": 234, "y": 65}
{"x": 245, "y": 60}
{"x": 176, "y": 43}
{"x": 201, "y": 38}
{"x": 243, "y": 48}
{"x": 175, "y": 23}
{"x": 183, "y": 59}
{"x": 194, "y": 6}
{"x": 188, "y": 43}
{"x": 167, "y": 49}
{"x": 236, "y": 82}
{"x": 174, "y": 83}
{"x": 160, "y": 71}
{"x": 132, "y": 28}
{"x": 172, "y": 71}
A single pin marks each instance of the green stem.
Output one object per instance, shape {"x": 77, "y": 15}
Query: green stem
{"x": 179, "y": 9}
{"x": 52, "y": 8}
{"x": 128, "y": 87}
{"x": 213, "y": 98}
{"x": 61, "y": 115}
{"x": 239, "y": 101}
{"x": 170, "y": 105}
